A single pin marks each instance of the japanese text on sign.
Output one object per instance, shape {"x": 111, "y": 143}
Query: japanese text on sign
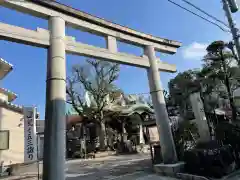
{"x": 30, "y": 135}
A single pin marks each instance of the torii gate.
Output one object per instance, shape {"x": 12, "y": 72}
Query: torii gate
{"x": 58, "y": 45}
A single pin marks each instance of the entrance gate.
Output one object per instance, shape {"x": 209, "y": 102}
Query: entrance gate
{"x": 58, "y": 44}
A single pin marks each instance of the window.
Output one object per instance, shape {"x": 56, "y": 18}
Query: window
{"x": 4, "y": 142}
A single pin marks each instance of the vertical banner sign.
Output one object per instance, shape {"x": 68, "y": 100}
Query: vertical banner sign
{"x": 30, "y": 136}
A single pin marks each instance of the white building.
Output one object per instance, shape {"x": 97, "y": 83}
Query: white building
{"x": 11, "y": 121}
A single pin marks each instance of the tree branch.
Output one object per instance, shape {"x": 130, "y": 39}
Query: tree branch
{"x": 97, "y": 78}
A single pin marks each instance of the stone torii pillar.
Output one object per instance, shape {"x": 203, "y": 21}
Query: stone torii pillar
{"x": 166, "y": 139}
{"x": 55, "y": 123}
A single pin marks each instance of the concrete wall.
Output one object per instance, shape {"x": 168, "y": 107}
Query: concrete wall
{"x": 40, "y": 126}
{"x": 3, "y": 97}
{"x": 40, "y": 147}
{"x": 10, "y": 121}
{"x": 40, "y": 129}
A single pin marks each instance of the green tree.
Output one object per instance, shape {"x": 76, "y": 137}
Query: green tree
{"x": 97, "y": 79}
{"x": 185, "y": 137}
{"x": 218, "y": 78}
{"x": 220, "y": 69}
{"x": 180, "y": 88}
{"x": 208, "y": 89}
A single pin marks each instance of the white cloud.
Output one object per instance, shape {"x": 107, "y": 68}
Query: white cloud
{"x": 194, "y": 51}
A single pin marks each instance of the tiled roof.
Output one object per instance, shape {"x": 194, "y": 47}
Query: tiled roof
{"x": 11, "y": 95}
{"x": 11, "y": 106}
{"x": 5, "y": 68}
{"x": 3, "y": 61}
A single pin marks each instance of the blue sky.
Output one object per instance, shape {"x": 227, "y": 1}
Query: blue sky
{"x": 156, "y": 17}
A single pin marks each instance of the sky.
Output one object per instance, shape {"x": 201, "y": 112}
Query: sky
{"x": 157, "y": 17}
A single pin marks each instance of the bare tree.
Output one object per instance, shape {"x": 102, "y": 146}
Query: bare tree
{"x": 96, "y": 78}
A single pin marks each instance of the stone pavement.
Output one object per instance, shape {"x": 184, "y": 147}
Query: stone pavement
{"x": 131, "y": 176}
{"x": 128, "y": 167}
{"x": 125, "y": 167}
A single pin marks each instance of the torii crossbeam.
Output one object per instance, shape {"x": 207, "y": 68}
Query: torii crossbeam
{"x": 58, "y": 44}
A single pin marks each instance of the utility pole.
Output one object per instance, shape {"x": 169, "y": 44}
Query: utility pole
{"x": 230, "y": 6}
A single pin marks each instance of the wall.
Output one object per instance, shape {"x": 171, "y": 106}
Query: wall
{"x": 40, "y": 129}
{"x": 40, "y": 147}
{"x": 3, "y": 97}
{"x": 40, "y": 126}
{"x": 10, "y": 121}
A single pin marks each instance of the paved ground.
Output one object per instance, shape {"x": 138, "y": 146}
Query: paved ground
{"x": 128, "y": 167}
{"x": 122, "y": 167}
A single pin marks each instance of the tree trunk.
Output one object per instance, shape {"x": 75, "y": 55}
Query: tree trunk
{"x": 102, "y": 135}
{"x": 227, "y": 84}
{"x": 234, "y": 111}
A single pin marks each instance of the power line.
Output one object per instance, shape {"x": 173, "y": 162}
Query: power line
{"x": 204, "y": 12}
{"x": 211, "y": 22}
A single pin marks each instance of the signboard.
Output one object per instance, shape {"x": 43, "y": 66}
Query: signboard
{"x": 30, "y": 135}
{"x": 4, "y": 136}
{"x": 174, "y": 122}
{"x": 153, "y": 134}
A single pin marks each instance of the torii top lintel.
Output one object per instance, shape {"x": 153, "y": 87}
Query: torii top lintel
{"x": 90, "y": 23}
{"x": 85, "y": 22}
{"x": 102, "y": 22}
